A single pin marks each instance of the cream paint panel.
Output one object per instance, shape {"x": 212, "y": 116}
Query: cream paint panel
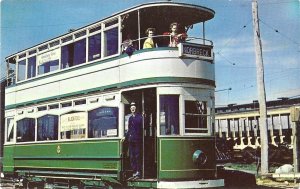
{"x": 109, "y": 73}
{"x": 167, "y": 68}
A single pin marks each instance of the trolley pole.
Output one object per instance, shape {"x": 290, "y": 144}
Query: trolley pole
{"x": 261, "y": 91}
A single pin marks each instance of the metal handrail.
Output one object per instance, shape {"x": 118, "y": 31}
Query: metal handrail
{"x": 198, "y": 40}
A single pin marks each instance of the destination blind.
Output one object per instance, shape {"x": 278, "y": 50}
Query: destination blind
{"x": 195, "y": 51}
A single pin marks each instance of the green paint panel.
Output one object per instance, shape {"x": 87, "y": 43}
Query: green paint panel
{"x": 70, "y": 149}
{"x": 81, "y": 155}
{"x": 69, "y": 164}
{"x": 176, "y": 157}
{"x": 8, "y": 163}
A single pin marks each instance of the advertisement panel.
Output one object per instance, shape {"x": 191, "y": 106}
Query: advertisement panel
{"x": 74, "y": 121}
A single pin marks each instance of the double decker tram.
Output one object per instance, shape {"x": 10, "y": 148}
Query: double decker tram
{"x": 67, "y": 104}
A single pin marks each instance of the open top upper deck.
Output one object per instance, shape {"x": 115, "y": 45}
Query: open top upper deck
{"x": 103, "y": 39}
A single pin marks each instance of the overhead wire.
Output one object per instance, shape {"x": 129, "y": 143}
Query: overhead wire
{"x": 277, "y": 31}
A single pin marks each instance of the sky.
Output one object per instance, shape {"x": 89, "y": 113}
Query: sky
{"x": 25, "y": 23}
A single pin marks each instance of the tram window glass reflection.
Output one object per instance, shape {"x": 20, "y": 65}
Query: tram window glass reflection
{"x": 103, "y": 122}
{"x": 26, "y": 130}
{"x": 73, "y": 125}
{"x": 47, "y": 127}
{"x": 195, "y": 117}
{"x": 21, "y": 70}
{"x": 94, "y": 47}
{"x": 169, "y": 114}
{"x": 73, "y": 54}
{"x": 9, "y": 130}
{"x": 31, "y": 69}
{"x": 48, "y": 67}
{"x": 111, "y": 40}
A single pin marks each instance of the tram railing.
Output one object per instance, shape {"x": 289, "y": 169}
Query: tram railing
{"x": 162, "y": 41}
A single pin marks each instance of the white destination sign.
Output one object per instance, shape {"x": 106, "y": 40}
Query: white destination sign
{"x": 48, "y": 56}
{"x": 69, "y": 122}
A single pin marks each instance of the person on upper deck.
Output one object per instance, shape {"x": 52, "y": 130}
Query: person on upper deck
{"x": 149, "y": 42}
{"x": 128, "y": 46}
{"x": 175, "y": 37}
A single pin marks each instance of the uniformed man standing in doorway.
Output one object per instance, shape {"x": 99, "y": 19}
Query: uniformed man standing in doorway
{"x": 134, "y": 136}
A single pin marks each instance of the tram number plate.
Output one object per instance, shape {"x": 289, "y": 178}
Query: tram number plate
{"x": 195, "y": 51}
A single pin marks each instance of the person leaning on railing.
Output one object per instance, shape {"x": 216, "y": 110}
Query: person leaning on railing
{"x": 127, "y": 46}
{"x": 149, "y": 42}
{"x": 175, "y": 37}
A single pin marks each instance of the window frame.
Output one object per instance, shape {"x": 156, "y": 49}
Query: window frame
{"x": 59, "y": 125}
{"x": 18, "y": 71}
{"x": 159, "y": 118}
{"x": 103, "y": 37}
{"x": 16, "y": 129}
{"x": 37, "y": 127}
{"x": 13, "y": 131}
{"x": 207, "y": 115}
{"x": 27, "y": 66}
{"x": 58, "y": 43}
{"x": 119, "y": 119}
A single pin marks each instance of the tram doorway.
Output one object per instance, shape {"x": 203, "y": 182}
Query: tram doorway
{"x": 145, "y": 100}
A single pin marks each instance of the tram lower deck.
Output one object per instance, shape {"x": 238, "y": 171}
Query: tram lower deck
{"x": 92, "y": 152}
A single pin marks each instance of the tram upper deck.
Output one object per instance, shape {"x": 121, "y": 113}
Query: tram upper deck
{"x": 90, "y": 58}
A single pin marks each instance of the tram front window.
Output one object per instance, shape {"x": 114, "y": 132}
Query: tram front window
{"x": 103, "y": 122}
{"x": 47, "y": 127}
{"x": 26, "y": 130}
{"x": 195, "y": 117}
{"x": 169, "y": 114}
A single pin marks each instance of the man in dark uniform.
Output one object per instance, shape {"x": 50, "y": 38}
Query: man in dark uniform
{"x": 134, "y": 136}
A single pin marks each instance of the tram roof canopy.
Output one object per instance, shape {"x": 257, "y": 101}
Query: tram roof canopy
{"x": 186, "y": 14}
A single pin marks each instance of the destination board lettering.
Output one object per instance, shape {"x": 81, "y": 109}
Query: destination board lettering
{"x": 195, "y": 51}
{"x": 69, "y": 122}
{"x": 48, "y": 56}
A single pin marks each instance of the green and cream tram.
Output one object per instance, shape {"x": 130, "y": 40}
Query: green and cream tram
{"x": 67, "y": 104}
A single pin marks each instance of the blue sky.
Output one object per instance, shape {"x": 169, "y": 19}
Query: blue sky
{"x": 25, "y": 23}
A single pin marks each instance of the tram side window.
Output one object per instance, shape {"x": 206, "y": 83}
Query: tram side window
{"x": 21, "y": 70}
{"x": 111, "y": 40}
{"x": 9, "y": 130}
{"x": 196, "y": 117}
{"x": 73, "y": 125}
{"x": 169, "y": 114}
{"x": 103, "y": 122}
{"x": 47, "y": 127}
{"x": 48, "y": 67}
{"x": 26, "y": 130}
{"x": 73, "y": 54}
{"x": 31, "y": 69}
{"x": 94, "y": 47}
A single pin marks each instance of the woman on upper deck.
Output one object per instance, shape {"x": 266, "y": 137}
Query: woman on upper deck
{"x": 175, "y": 37}
{"x": 149, "y": 42}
